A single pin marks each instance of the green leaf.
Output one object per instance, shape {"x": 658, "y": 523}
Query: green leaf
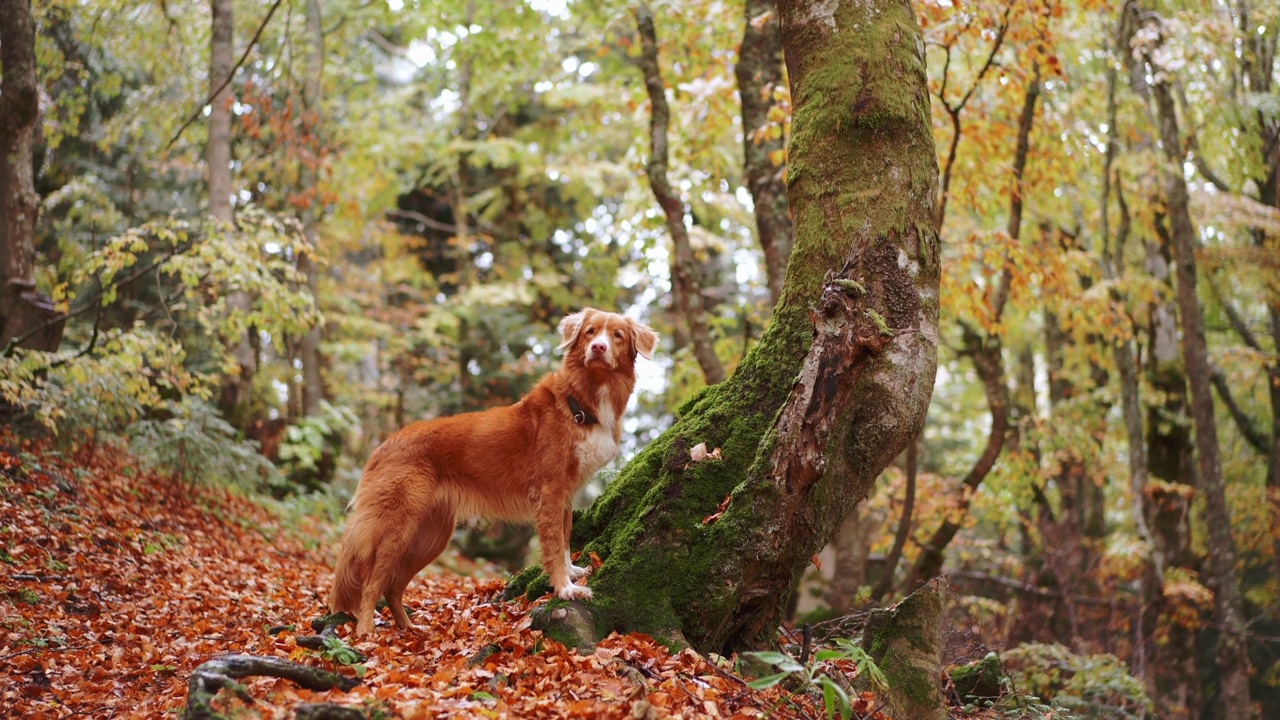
{"x": 778, "y": 660}
{"x": 768, "y": 681}
{"x": 834, "y": 696}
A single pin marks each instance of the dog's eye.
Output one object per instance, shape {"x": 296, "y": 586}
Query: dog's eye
{"x": 591, "y": 331}
{"x": 617, "y": 334}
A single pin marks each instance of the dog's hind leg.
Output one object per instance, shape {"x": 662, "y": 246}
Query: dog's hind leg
{"x": 431, "y": 538}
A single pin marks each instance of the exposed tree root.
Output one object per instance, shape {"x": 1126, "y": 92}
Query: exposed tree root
{"x": 223, "y": 672}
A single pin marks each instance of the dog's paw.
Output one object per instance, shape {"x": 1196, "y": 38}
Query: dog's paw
{"x": 577, "y": 573}
{"x": 574, "y": 592}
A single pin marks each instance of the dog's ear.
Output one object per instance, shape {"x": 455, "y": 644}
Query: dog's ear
{"x": 646, "y": 340}
{"x": 569, "y": 328}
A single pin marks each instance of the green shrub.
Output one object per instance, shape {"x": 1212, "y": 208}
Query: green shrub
{"x": 196, "y": 445}
{"x": 1088, "y": 686}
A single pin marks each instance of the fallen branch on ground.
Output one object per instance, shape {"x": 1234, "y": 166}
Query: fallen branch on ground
{"x": 223, "y": 672}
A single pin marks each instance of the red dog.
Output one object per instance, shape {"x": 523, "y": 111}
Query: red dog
{"x": 525, "y": 461}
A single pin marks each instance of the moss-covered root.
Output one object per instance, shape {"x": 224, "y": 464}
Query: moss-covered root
{"x": 568, "y": 623}
{"x": 906, "y": 642}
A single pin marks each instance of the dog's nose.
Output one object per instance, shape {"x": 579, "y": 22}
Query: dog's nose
{"x": 598, "y": 348}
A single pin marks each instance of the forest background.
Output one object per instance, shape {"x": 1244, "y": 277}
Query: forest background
{"x": 383, "y": 212}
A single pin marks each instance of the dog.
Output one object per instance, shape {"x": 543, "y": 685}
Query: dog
{"x": 521, "y": 462}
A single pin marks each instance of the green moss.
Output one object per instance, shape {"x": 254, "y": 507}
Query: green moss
{"x": 980, "y": 680}
{"x": 893, "y": 636}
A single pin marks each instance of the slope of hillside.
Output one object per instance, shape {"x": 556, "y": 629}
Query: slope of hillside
{"x": 116, "y": 583}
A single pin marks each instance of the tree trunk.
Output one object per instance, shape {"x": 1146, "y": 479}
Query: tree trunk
{"x": 1171, "y": 461}
{"x": 986, "y": 353}
{"x": 235, "y": 389}
{"x": 309, "y": 347}
{"x": 1233, "y": 662}
{"x": 851, "y": 547}
{"x": 838, "y": 384}
{"x": 24, "y": 312}
{"x": 684, "y": 267}
{"x": 1150, "y": 581}
{"x": 906, "y": 643}
{"x": 218, "y": 151}
{"x": 759, "y": 71}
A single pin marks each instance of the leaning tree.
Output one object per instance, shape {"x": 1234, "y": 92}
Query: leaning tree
{"x": 705, "y": 551}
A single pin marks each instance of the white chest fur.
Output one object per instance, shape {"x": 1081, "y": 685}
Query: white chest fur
{"x": 601, "y": 444}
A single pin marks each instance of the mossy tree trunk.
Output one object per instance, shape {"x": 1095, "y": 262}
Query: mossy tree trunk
{"x": 840, "y": 381}
{"x": 1232, "y": 653}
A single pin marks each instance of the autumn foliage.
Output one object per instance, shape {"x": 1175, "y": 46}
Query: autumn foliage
{"x": 119, "y": 582}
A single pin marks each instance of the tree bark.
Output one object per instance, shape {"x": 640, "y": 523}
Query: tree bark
{"x": 309, "y": 347}
{"x": 684, "y": 266}
{"x": 759, "y": 71}
{"x": 235, "y": 389}
{"x": 1232, "y": 659}
{"x": 22, "y": 308}
{"x": 838, "y": 384}
{"x": 218, "y": 150}
{"x": 906, "y": 644}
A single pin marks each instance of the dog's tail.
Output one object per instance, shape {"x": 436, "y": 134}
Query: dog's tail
{"x": 352, "y": 567}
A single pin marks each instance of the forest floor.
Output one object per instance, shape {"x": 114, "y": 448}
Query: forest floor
{"x": 117, "y": 583}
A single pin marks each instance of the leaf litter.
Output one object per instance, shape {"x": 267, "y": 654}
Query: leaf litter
{"x": 116, "y": 583}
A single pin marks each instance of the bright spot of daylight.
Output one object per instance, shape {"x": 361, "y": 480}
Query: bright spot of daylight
{"x": 420, "y": 54}
{"x": 555, "y": 8}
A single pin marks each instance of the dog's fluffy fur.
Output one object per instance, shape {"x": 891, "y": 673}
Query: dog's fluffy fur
{"x": 521, "y": 462}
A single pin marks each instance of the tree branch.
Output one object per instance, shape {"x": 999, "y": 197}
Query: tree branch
{"x": 222, "y": 672}
{"x": 252, "y": 43}
{"x": 1248, "y": 428}
{"x": 684, "y": 268}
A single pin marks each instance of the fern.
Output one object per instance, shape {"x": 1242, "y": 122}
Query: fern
{"x": 198, "y": 446}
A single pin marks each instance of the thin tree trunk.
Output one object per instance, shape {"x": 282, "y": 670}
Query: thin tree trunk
{"x": 759, "y": 71}
{"x": 22, "y": 308}
{"x": 235, "y": 389}
{"x": 988, "y": 359}
{"x": 840, "y": 380}
{"x": 309, "y": 347}
{"x": 885, "y": 584}
{"x": 1233, "y": 661}
{"x": 218, "y": 151}
{"x": 1113, "y": 269}
{"x": 684, "y": 266}
{"x": 986, "y": 353}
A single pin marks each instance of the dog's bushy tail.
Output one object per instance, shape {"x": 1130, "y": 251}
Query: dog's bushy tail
{"x": 352, "y": 566}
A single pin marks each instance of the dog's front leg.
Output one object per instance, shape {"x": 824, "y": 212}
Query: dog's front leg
{"x": 575, "y": 572}
{"x": 553, "y": 532}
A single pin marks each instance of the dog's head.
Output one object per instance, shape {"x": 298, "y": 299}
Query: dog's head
{"x": 605, "y": 341}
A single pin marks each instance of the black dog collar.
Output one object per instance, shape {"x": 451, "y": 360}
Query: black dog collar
{"x": 580, "y": 416}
